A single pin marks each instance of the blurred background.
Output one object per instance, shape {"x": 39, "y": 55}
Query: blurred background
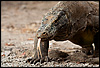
{"x": 24, "y": 14}
{"x": 19, "y": 18}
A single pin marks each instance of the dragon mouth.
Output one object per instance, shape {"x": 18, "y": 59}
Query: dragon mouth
{"x": 46, "y": 38}
{"x": 43, "y": 39}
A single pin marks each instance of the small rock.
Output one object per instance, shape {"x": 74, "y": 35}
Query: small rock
{"x": 10, "y": 44}
{"x": 90, "y": 65}
{"x": 6, "y": 53}
{"x": 57, "y": 65}
{"x": 7, "y": 49}
{"x": 95, "y": 65}
{"x": 86, "y": 64}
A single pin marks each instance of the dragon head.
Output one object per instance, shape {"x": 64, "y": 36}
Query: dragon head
{"x": 51, "y": 23}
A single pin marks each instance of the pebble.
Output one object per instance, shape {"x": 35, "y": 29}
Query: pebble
{"x": 86, "y": 64}
{"x": 57, "y": 65}
{"x": 95, "y": 65}
{"x": 6, "y": 53}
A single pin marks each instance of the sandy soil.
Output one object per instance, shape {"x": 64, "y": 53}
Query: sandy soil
{"x": 19, "y": 22}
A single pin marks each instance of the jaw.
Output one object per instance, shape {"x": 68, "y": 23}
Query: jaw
{"x": 44, "y": 39}
{"x": 51, "y": 37}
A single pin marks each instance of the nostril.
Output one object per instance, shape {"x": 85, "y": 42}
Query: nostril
{"x": 44, "y": 33}
{"x": 38, "y": 35}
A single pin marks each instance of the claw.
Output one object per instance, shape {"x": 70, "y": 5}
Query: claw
{"x": 47, "y": 59}
{"x": 42, "y": 60}
{"x": 35, "y": 61}
{"x": 32, "y": 61}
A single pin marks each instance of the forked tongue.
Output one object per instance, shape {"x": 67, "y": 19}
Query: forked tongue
{"x": 38, "y": 47}
{"x": 38, "y": 44}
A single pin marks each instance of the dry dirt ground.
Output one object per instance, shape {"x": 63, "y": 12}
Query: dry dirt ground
{"x": 19, "y": 22}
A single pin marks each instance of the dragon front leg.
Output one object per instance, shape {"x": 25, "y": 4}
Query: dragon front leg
{"x": 40, "y": 51}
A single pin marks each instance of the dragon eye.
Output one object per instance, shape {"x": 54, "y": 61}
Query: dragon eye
{"x": 44, "y": 33}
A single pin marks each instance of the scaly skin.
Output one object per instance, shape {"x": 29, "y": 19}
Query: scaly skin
{"x": 77, "y": 21}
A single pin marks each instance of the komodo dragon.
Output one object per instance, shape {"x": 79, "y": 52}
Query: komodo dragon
{"x": 77, "y": 21}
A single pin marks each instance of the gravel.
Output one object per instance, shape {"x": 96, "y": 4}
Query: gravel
{"x": 11, "y": 61}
